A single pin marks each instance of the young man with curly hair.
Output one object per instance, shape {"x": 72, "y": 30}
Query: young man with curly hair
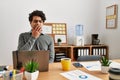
{"x": 35, "y": 39}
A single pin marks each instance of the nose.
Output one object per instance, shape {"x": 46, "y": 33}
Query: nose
{"x": 38, "y": 22}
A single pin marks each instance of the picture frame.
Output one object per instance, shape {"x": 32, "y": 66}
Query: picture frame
{"x": 111, "y": 17}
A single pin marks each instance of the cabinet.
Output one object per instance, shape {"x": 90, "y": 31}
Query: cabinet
{"x": 74, "y": 51}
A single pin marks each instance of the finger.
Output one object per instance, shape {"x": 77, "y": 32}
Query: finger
{"x": 35, "y": 28}
{"x": 40, "y": 30}
{"x": 38, "y": 27}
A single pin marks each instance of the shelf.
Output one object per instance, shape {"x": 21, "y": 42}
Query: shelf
{"x": 73, "y": 52}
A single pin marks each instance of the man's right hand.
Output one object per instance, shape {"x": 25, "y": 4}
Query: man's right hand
{"x": 36, "y": 31}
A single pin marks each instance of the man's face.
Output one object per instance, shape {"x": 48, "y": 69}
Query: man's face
{"x": 36, "y": 22}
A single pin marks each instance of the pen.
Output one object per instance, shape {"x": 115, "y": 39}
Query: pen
{"x": 14, "y": 73}
{"x": 10, "y": 75}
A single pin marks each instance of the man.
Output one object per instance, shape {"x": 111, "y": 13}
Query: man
{"x": 35, "y": 39}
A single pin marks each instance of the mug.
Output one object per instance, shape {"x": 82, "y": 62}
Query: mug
{"x": 66, "y": 64}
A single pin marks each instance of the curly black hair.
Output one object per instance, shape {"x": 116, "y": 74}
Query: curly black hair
{"x": 37, "y": 13}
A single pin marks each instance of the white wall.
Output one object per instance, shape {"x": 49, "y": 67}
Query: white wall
{"x": 14, "y": 20}
{"x": 110, "y": 36}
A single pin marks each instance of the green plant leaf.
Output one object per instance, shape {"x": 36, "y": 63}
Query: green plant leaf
{"x": 31, "y": 66}
{"x": 105, "y": 62}
{"x": 59, "y": 40}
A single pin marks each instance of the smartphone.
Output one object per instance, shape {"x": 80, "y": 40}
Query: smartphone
{"x": 77, "y": 65}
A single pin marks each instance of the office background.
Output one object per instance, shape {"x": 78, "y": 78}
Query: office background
{"x": 90, "y": 13}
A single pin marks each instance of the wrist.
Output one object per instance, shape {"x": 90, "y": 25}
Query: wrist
{"x": 33, "y": 37}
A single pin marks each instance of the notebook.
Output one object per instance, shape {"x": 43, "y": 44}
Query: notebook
{"x": 21, "y": 57}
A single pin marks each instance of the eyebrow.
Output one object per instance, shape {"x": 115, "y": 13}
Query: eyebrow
{"x": 38, "y": 20}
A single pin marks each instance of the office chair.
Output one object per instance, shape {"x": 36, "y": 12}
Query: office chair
{"x": 89, "y": 58}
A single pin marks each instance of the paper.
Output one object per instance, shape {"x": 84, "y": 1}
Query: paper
{"x": 110, "y": 11}
{"x": 111, "y": 23}
{"x": 78, "y": 75}
{"x": 47, "y": 29}
{"x": 92, "y": 65}
{"x": 62, "y": 37}
{"x": 115, "y": 65}
{"x": 1, "y": 73}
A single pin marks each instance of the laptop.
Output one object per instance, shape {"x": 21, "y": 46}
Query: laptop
{"x": 21, "y": 57}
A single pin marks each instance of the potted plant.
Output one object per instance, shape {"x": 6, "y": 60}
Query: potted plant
{"x": 31, "y": 70}
{"x": 59, "y": 41}
{"x": 105, "y": 64}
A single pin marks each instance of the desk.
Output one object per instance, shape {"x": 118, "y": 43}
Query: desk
{"x": 55, "y": 70}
